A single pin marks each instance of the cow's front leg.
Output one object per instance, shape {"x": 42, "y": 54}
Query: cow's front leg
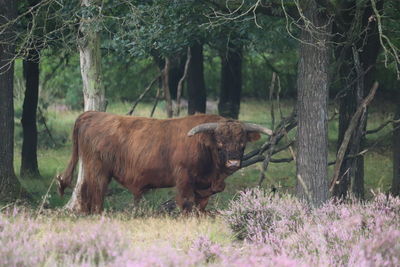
{"x": 201, "y": 203}
{"x": 185, "y": 195}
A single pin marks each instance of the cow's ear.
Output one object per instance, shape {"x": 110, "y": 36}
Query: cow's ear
{"x": 253, "y": 136}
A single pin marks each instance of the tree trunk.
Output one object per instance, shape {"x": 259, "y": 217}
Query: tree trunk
{"x": 231, "y": 82}
{"x": 9, "y": 185}
{"x": 396, "y": 150}
{"x": 93, "y": 89}
{"x": 195, "y": 81}
{"x": 90, "y": 59}
{"x": 176, "y": 68}
{"x": 312, "y": 108}
{"x": 368, "y": 57}
{"x": 175, "y": 74}
{"x": 367, "y": 46}
{"x": 29, "y": 162}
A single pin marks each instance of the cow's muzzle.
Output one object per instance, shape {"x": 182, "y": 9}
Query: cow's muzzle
{"x": 233, "y": 163}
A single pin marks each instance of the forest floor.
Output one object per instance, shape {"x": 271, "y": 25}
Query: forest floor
{"x": 155, "y": 238}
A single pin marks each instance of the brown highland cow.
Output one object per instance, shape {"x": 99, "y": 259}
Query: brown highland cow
{"x": 195, "y": 154}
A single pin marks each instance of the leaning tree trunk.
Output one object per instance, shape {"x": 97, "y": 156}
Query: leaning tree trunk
{"x": 9, "y": 185}
{"x": 93, "y": 89}
{"x": 231, "y": 82}
{"x": 312, "y": 108}
{"x": 195, "y": 81}
{"x": 29, "y": 162}
{"x": 396, "y": 150}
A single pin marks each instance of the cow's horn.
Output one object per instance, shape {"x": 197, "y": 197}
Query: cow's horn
{"x": 251, "y": 127}
{"x": 205, "y": 127}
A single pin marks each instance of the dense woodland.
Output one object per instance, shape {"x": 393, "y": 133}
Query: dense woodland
{"x": 328, "y": 58}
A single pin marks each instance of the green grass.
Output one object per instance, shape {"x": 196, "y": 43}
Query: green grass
{"x": 53, "y": 159}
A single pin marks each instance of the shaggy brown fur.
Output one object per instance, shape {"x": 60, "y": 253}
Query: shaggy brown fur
{"x": 144, "y": 153}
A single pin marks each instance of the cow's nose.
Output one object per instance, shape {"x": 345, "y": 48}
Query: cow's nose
{"x": 233, "y": 163}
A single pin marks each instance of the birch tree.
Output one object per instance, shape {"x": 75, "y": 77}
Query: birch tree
{"x": 93, "y": 88}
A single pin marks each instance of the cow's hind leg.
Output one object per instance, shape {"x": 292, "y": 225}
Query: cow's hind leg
{"x": 94, "y": 189}
{"x": 137, "y": 193}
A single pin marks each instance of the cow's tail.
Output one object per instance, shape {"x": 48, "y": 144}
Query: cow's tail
{"x": 65, "y": 179}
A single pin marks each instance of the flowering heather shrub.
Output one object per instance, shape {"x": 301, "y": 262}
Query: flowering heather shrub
{"x": 256, "y": 213}
{"x": 88, "y": 242}
{"x": 15, "y": 240}
{"x": 381, "y": 249}
{"x": 206, "y": 249}
{"x": 363, "y": 234}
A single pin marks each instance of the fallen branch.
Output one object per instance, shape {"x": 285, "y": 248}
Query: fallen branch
{"x": 261, "y": 158}
{"x": 143, "y": 94}
{"x": 269, "y": 147}
{"x": 347, "y": 136}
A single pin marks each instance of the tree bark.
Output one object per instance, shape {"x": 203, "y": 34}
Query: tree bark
{"x": 93, "y": 88}
{"x": 9, "y": 185}
{"x": 195, "y": 81}
{"x": 90, "y": 60}
{"x": 29, "y": 162}
{"x": 231, "y": 82}
{"x": 396, "y": 149}
{"x": 312, "y": 107}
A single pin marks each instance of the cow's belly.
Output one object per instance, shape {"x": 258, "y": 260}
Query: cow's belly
{"x": 147, "y": 179}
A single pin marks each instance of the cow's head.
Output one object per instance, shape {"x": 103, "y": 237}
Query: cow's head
{"x": 231, "y": 137}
